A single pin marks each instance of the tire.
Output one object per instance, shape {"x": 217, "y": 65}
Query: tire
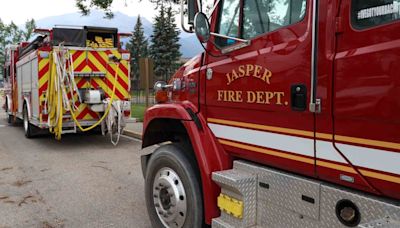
{"x": 10, "y": 118}
{"x": 172, "y": 190}
{"x": 29, "y": 129}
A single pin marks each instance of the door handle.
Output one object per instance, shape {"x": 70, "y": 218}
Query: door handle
{"x": 209, "y": 73}
{"x": 298, "y": 97}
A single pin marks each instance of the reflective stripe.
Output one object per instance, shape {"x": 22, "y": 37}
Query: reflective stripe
{"x": 341, "y": 138}
{"x": 372, "y": 158}
{"x": 376, "y": 159}
{"x": 326, "y": 151}
{"x": 293, "y": 144}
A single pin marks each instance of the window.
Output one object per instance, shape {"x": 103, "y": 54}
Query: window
{"x": 369, "y": 13}
{"x": 259, "y": 16}
{"x": 229, "y": 21}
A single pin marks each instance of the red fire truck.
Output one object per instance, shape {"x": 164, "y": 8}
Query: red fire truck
{"x": 290, "y": 118}
{"x": 68, "y": 79}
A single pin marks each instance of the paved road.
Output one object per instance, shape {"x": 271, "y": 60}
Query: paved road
{"x": 81, "y": 181}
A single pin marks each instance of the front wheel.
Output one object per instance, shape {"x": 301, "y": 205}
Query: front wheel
{"x": 173, "y": 193}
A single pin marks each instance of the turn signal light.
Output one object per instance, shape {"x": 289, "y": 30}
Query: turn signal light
{"x": 161, "y": 96}
{"x": 161, "y": 91}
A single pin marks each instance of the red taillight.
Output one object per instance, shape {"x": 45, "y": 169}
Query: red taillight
{"x": 45, "y": 117}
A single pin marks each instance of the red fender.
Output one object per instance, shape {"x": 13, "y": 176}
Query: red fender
{"x": 209, "y": 154}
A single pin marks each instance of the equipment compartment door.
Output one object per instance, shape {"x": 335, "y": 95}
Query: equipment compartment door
{"x": 257, "y": 96}
{"x": 367, "y": 91}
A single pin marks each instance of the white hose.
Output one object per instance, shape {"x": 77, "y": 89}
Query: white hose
{"x": 72, "y": 75}
{"x": 116, "y": 111}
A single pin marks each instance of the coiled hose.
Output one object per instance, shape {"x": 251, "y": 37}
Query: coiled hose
{"x": 58, "y": 101}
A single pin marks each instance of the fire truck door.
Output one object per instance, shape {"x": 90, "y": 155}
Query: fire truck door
{"x": 367, "y": 91}
{"x": 257, "y": 96}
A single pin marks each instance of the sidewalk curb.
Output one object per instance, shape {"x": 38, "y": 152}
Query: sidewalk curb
{"x": 133, "y": 134}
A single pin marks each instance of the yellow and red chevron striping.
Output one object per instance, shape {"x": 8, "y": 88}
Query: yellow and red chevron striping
{"x": 88, "y": 61}
{"x": 97, "y": 61}
{"x": 43, "y": 77}
{"x": 44, "y": 70}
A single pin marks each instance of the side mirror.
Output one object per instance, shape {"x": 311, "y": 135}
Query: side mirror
{"x": 202, "y": 27}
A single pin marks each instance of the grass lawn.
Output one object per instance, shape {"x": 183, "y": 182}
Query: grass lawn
{"x": 137, "y": 111}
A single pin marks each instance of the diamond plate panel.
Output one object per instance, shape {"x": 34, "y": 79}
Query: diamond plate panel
{"x": 287, "y": 192}
{"x": 371, "y": 208}
{"x": 246, "y": 166}
{"x": 280, "y": 206}
{"x": 381, "y": 223}
{"x": 219, "y": 223}
{"x": 241, "y": 185}
{"x": 271, "y": 215}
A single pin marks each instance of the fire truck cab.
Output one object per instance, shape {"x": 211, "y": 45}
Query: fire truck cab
{"x": 290, "y": 118}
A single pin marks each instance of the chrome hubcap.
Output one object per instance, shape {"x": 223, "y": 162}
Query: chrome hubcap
{"x": 169, "y": 198}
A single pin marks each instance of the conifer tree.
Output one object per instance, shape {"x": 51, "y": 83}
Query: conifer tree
{"x": 158, "y": 47}
{"x": 138, "y": 47}
{"x": 172, "y": 34}
{"x": 165, "y": 45}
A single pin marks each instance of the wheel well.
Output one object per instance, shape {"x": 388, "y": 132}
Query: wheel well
{"x": 168, "y": 130}
{"x": 24, "y": 108}
{"x": 164, "y": 130}
{"x": 6, "y": 105}
{"x": 26, "y": 105}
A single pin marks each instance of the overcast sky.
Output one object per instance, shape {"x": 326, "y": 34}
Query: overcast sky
{"x": 20, "y": 11}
